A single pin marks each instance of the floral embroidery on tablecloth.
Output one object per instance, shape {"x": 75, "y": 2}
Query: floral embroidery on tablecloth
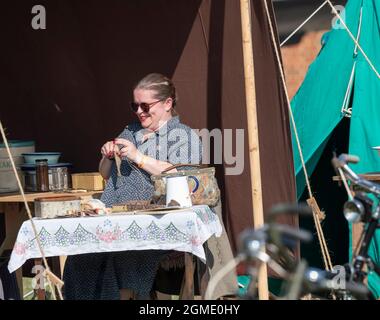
{"x": 205, "y": 214}
{"x": 133, "y": 232}
{"x": 45, "y": 237}
{"x": 175, "y": 235}
{"x": 19, "y": 248}
{"x": 109, "y": 233}
{"x": 154, "y": 233}
{"x": 182, "y": 233}
{"x": 190, "y": 224}
{"x": 81, "y": 236}
{"x": 62, "y": 237}
{"x": 195, "y": 241}
{"x": 25, "y": 231}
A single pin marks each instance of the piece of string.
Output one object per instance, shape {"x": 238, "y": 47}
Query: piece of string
{"x": 353, "y": 39}
{"x": 321, "y": 238}
{"x": 203, "y": 29}
{"x": 37, "y": 237}
{"x": 350, "y": 196}
{"x": 303, "y": 23}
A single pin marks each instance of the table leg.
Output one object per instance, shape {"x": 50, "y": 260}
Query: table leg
{"x": 187, "y": 289}
{"x": 20, "y": 282}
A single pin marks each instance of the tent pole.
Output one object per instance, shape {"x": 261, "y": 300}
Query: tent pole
{"x": 253, "y": 135}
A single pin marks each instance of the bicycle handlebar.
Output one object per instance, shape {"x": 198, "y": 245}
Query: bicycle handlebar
{"x": 264, "y": 233}
{"x": 342, "y": 163}
{"x": 292, "y": 209}
{"x": 322, "y": 280}
{"x": 348, "y": 158}
{"x": 251, "y": 241}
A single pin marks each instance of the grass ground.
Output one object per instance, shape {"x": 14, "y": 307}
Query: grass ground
{"x": 29, "y": 293}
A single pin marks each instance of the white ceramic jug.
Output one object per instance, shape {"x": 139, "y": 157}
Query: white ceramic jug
{"x": 177, "y": 189}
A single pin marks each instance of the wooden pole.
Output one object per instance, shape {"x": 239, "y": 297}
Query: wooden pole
{"x": 253, "y": 135}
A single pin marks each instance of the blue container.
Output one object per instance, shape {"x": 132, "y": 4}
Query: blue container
{"x": 51, "y": 157}
{"x": 18, "y": 143}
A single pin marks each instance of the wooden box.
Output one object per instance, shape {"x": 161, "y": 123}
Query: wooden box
{"x": 88, "y": 181}
{"x": 52, "y": 207}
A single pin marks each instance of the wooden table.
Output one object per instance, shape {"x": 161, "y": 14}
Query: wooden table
{"x": 14, "y": 211}
{"x": 375, "y": 177}
{"x": 12, "y": 206}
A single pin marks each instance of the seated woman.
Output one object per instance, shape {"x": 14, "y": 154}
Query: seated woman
{"x": 154, "y": 143}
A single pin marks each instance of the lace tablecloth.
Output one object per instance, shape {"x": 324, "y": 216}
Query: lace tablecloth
{"x": 185, "y": 230}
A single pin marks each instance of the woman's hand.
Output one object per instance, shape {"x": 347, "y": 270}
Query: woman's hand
{"x": 108, "y": 150}
{"x": 128, "y": 149}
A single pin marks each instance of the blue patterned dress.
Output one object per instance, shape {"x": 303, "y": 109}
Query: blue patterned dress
{"x": 102, "y": 275}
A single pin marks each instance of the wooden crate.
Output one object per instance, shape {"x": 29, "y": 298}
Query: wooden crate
{"x": 53, "y": 207}
{"x": 88, "y": 181}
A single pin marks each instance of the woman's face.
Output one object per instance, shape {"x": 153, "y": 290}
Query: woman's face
{"x": 159, "y": 112}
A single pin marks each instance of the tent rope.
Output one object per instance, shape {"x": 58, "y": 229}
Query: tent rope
{"x": 353, "y": 39}
{"x": 356, "y": 41}
{"x": 346, "y": 110}
{"x": 203, "y": 29}
{"x": 303, "y": 23}
{"x": 49, "y": 275}
{"x": 359, "y": 31}
{"x": 344, "y": 180}
{"x": 321, "y": 237}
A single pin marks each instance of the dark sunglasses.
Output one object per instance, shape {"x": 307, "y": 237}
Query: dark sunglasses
{"x": 145, "y": 107}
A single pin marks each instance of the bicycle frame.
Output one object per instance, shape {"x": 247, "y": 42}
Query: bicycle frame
{"x": 362, "y": 259}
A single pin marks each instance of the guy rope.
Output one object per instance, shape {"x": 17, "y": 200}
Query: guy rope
{"x": 50, "y": 276}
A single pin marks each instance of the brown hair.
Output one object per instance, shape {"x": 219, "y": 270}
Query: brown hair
{"x": 163, "y": 86}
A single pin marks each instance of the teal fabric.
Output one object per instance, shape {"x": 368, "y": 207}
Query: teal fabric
{"x": 274, "y": 285}
{"x": 365, "y": 121}
{"x": 317, "y": 104}
{"x": 243, "y": 281}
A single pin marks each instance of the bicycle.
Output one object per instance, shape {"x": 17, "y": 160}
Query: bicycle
{"x": 299, "y": 278}
{"x": 359, "y": 208}
{"x": 272, "y": 243}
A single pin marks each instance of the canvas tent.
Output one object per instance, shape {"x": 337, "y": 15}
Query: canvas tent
{"x": 341, "y": 82}
{"x": 67, "y": 87}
